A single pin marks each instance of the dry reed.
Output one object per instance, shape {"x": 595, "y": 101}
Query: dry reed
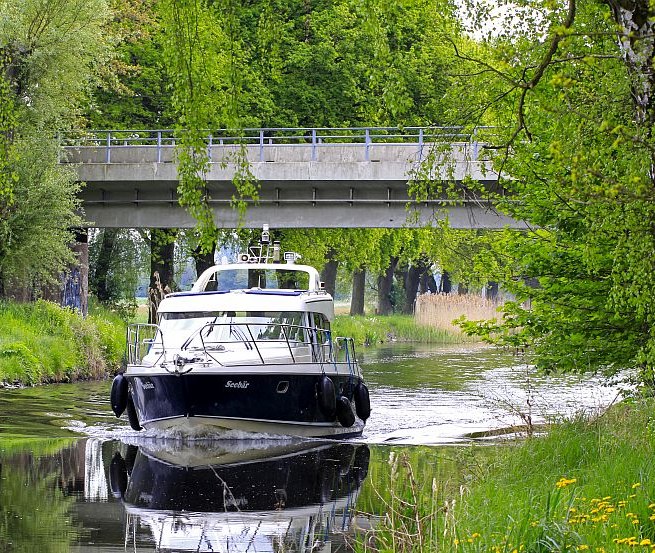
{"x": 439, "y": 310}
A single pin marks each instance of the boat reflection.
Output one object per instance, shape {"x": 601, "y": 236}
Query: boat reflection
{"x": 227, "y": 498}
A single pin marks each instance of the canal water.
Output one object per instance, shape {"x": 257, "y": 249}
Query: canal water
{"x": 75, "y": 478}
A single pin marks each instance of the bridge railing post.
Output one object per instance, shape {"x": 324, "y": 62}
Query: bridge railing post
{"x": 158, "y": 146}
{"x": 108, "y": 149}
{"x": 314, "y": 143}
{"x": 367, "y": 134}
{"x": 474, "y": 144}
{"x": 420, "y": 144}
{"x": 261, "y": 144}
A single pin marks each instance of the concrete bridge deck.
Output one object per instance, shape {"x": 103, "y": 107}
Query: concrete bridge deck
{"x": 314, "y": 178}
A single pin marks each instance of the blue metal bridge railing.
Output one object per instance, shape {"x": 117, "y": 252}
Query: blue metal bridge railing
{"x": 319, "y": 137}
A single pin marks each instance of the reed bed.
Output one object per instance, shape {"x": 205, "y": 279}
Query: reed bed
{"x": 440, "y": 310}
{"x": 370, "y": 331}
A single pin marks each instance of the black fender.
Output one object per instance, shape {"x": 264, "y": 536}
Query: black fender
{"x": 327, "y": 397}
{"x": 118, "y": 395}
{"x": 362, "y": 401}
{"x": 345, "y": 413}
{"x": 132, "y": 415}
{"x": 118, "y": 476}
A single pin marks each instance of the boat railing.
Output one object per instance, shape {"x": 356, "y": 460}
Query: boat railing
{"x": 141, "y": 338}
{"x": 256, "y": 343}
{"x": 345, "y": 351}
{"x": 270, "y": 343}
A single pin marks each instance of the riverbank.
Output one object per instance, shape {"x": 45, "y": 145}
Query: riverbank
{"x": 588, "y": 485}
{"x": 41, "y": 342}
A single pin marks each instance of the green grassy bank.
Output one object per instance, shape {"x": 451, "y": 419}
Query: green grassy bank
{"x": 370, "y": 331}
{"x": 589, "y": 485}
{"x": 41, "y": 342}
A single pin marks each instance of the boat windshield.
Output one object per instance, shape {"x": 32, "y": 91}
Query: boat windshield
{"x": 246, "y": 278}
{"x": 230, "y": 326}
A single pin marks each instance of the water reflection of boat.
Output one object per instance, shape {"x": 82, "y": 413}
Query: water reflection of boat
{"x": 248, "y": 349}
{"x": 208, "y": 498}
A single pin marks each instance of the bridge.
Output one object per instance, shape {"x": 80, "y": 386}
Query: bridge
{"x": 325, "y": 178}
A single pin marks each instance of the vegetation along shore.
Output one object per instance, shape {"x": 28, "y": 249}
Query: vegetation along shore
{"x": 586, "y": 485}
{"x": 43, "y": 343}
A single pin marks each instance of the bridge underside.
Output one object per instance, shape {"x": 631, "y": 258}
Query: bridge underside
{"x": 340, "y": 191}
{"x": 284, "y": 204}
{"x": 299, "y": 215}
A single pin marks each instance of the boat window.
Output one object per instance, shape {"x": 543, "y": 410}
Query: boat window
{"x": 272, "y": 279}
{"x": 321, "y": 321}
{"x": 231, "y": 326}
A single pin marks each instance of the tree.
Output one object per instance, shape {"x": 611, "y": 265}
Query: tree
{"x": 117, "y": 258}
{"x": 48, "y": 53}
{"x": 573, "y": 101}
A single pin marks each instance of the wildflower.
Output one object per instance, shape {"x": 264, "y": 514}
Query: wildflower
{"x": 475, "y": 535}
{"x": 651, "y": 506}
{"x": 563, "y": 482}
{"x": 583, "y": 547}
{"x": 636, "y": 485}
{"x": 645, "y": 541}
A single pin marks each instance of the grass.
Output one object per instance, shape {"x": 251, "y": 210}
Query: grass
{"x": 439, "y": 310}
{"x": 369, "y": 331}
{"x": 589, "y": 485}
{"x": 42, "y": 342}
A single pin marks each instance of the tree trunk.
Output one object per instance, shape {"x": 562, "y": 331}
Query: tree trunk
{"x": 492, "y": 290}
{"x": 428, "y": 283}
{"x": 411, "y": 287}
{"x": 162, "y": 248}
{"x": 385, "y": 283}
{"x": 446, "y": 285}
{"x": 329, "y": 273}
{"x": 357, "y": 300}
{"x": 203, "y": 261}
{"x": 636, "y": 37}
{"x": 100, "y": 283}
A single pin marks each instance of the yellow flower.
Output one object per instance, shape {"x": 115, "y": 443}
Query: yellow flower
{"x": 583, "y": 547}
{"x": 475, "y": 535}
{"x": 645, "y": 541}
{"x": 563, "y": 482}
{"x": 636, "y": 485}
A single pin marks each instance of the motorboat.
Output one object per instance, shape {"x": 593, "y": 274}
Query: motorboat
{"x": 247, "y": 349}
{"x": 296, "y": 497}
